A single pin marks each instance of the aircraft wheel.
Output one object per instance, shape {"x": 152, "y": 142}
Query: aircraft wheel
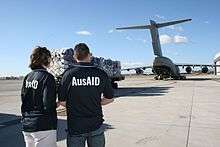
{"x": 161, "y": 77}
{"x": 182, "y": 77}
{"x": 156, "y": 78}
{"x": 115, "y": 85}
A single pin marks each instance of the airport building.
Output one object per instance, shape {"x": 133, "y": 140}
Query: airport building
{"x": 217, "y": 62}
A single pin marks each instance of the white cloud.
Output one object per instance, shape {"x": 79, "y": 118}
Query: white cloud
{"x": 176, "y": 53}
{"x": 119, "y": 31}
{"x": 207, "y": 22}
{"x": 84, "y": 33}
{"x": 166, "y": 39}
{"x": 171, "y": 27}
{"x": 128, "y": 38}
{"x": 110, "y": 31}
{"x": 144, "y": 40}
{"x": 159, "y": 16}
{"x": 180, "y": 39}
{"x": 141, "y": 40}
{"x": 178, "y": 29}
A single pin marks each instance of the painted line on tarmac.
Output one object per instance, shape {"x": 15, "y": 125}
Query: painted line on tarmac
{"x": 190, "y": 118}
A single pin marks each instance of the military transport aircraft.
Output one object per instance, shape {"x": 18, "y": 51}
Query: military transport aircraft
{"x": 163, "y": 67}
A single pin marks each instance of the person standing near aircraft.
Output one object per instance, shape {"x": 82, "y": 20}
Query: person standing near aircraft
{"x": 38, "y": 95}
{"x": 80, "y": 91}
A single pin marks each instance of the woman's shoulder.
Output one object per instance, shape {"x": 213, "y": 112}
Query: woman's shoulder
{"x": 40, "y": 73}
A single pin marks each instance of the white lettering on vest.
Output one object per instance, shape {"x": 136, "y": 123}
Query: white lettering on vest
{"x": 31, "y": 84}
{"x": 89, "y": 81}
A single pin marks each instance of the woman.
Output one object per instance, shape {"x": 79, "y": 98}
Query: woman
{"x": 38, "y": 95}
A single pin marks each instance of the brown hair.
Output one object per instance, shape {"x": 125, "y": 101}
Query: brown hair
{"x": 81, "y": 51}
{"x": 40, "y": 56}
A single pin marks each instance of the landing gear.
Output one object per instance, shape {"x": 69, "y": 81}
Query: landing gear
{"x": 163, "y": 73}
{"x": 159, "y": 77}
{"x": 182, "y": 77}
{"x": 179, "y": 77}
{"x": 156, "y": 78}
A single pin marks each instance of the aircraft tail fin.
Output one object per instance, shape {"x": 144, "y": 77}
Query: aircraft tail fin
{"x": 157, "y": 25}
{"x": 153, "y": 27}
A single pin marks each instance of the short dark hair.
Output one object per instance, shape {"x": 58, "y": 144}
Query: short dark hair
{"x": 40, "y": 56}
{"x": 81, "y": 51}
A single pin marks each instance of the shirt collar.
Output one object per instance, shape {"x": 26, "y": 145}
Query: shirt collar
{"x": 84, "y": 63}
{"x": 39, "y": 67}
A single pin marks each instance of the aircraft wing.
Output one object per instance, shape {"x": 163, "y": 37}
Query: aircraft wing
{"x": 198, "y": 65}
{"x": 135, "y": 68}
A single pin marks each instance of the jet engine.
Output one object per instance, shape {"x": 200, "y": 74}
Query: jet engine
{"x": 139, "y": 71}
{"x": 188, "y": 69}
{"x": 205, "y": 69}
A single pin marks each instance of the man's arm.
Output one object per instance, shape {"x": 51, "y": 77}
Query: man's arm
{"x": 108, "y": 92}
{"x": 61, "y": 103}
{"x": 49, "y": 94}
{"x": 106, "y": 101}
{"x": 63, "y": 89}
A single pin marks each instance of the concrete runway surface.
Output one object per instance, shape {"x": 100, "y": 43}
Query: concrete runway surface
{"x": 146, "y": 113}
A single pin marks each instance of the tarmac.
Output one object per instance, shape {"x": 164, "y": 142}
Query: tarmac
{"x": 145, "y": 113}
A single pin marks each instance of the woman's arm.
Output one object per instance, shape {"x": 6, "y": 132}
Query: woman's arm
{"x": 49, "y": 94}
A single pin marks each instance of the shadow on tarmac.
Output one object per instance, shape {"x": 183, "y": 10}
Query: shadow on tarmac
{"x": 197, "y": 79}
{"x": 141, "y": 91}
{"x": 62, "y": 129}
{"x": 11, "y": 133}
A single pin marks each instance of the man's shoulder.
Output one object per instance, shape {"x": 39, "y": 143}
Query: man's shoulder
{"x": 69, "y": 72}
{"x": 77, "y": 68}
{"x": 101, "y": 72}
{"x": 71, "y": 69}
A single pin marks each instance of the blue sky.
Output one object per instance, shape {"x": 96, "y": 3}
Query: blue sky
{"x": 25, "y": 24}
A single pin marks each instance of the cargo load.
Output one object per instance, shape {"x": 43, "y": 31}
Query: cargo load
{"x": 63, "y": 59}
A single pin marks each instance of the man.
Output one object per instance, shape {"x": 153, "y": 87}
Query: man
{"x": 81, "y": 92}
